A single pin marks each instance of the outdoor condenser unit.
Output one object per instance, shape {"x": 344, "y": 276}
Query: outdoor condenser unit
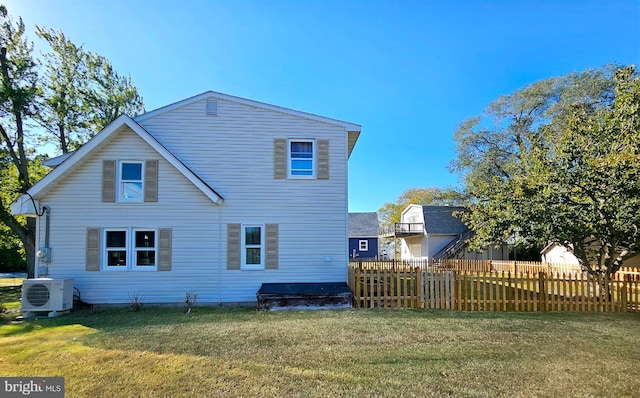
{"x": 46, "y": 294}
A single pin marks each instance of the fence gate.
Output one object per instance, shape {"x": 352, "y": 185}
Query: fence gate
{"x": 438, "y": 289}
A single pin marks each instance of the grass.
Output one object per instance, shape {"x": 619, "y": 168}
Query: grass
{"x": 162, "y": 352}
{"x": 10, "y": 293}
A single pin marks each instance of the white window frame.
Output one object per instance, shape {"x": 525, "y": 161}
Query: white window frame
{"x": 313, "y": 159}
{"x": 130, "y": 249}
{"x": 135, "y": 250}
{"x": 106, "y": 250}
{"x": 366, "y": 245}
{"x": 244, "y": 246}
{"x": 120, "y": 182}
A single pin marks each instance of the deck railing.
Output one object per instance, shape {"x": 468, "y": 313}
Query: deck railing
{"x": 401, "y": 229}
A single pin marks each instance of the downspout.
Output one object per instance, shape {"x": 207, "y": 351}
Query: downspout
{"x": 47, "y": 217}
{"x": 219, "y": 254}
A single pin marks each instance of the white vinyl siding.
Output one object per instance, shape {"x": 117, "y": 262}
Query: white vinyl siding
{"x": 313, "y": 216}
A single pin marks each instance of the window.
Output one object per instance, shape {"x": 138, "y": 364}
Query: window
{"x": 145, "y": 248}
{"x": 364, "y": 245}
{"x": 130, "y": 249}
{"x": 116, "y": 248}
{"x": 252, "y": 247}
{"x": 301, "y": 158}
{"x": 130, "y": 181}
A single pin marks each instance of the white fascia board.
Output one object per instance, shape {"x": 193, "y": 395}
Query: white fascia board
{"x": 350, "y": 127}
{"x": 106, "y": 133}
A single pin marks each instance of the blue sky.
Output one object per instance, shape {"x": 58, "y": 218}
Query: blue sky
{"x": 408, "y": 71}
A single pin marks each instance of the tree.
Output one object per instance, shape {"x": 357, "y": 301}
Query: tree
{"x": 82, "y": 93}
{"x": 559, "y": 165}
{"x": 390, "y": 212}
{"x": 78, "y": 95}
{"x": 110, "y": 95}
{"x": 18, "y": 91}
{"x": 64, "y": 108}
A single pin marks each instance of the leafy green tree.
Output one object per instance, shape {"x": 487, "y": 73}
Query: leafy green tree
{"x": 64, "y": 110}
{"x": 390, "y": 213}
{"x": 82, "y": 93}
{"x": 18, "y": 92}
{"x": 109, "y": 94}
{"x": 560, "y": 164}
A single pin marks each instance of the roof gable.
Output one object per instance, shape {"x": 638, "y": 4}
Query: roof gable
{"x": 112, "y": 129}
{"x": 363, "y": 225}
{"x": 353, "y": 130}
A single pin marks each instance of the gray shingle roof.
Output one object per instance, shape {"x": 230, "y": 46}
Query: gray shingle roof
{"x": 440, "y": 220}
{"x": 363, "y": 225}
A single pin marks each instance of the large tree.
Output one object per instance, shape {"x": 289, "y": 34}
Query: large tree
{"x": 77, "y": 95}
{"x": 558, "y": 163}
{"x": 18, "y": 93}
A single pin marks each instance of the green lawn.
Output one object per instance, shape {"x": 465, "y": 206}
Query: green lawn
{"x": 162, "y": 352}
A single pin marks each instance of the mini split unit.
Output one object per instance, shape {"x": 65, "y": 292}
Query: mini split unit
{"x": 46, "y": 295}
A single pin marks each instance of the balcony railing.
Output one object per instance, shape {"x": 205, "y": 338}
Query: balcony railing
{"x": 401, "y": 229}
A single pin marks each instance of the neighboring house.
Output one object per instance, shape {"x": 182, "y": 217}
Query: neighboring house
{"x": 556, "y": 253}
{"x": 214, "y": 194}
{"x": 434, "y": 232}
{"x": 363, "y": 236}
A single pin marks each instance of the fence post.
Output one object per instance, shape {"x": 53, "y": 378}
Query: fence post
{"x": 623, "y": 293}
{"x": 542, "y": 288}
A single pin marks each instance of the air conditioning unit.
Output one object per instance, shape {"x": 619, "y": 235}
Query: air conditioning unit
{"x": 46, "y": 294}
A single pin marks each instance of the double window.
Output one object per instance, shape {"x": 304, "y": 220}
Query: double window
{"x": 130, "y": 249}
{"x": 364, "y": 245}
{"x": 301, "y": 158}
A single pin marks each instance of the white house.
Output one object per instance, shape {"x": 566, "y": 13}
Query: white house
{"x": 214, "y": 194}
{"x": 555, "y": 253}
{"x": 435, "y": 232}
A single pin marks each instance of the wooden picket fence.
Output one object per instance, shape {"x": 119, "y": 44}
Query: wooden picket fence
{"x": 485, "y": 288}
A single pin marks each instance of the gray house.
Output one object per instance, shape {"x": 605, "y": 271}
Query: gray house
{"x": 434, "y": 232}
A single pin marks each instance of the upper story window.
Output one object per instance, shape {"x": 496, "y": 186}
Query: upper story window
{"x": 130, "y": 181}
{"x": 301, "y": 158}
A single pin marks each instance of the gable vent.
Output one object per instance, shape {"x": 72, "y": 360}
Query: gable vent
{"x": 212, "y": 107}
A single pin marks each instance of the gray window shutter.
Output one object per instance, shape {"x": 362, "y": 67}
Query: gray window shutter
{"x": 108, "y": 180}
{"x": 151, "y": 181}
{"x": 323, "y": 160}
{"x": 233, "y": 246}
{"x": 272, "y": 246}
{"x": 164, "y": 249}
{"x": 93, "y": 250}
{"x": 280, "y": 158}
